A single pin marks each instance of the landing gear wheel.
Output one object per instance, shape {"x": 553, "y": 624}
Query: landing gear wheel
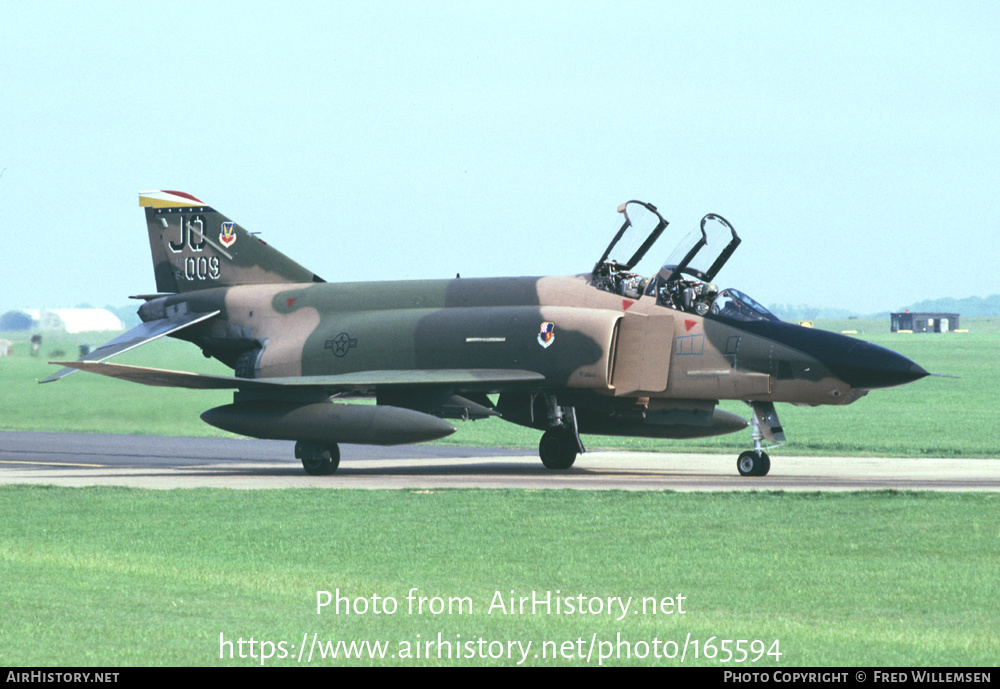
{"x": 318, "y": 459}
{"x": 558, "y": 448}
{"x": 753, "y": 463}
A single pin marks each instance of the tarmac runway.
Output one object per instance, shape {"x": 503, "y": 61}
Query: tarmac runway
{"x": 70, "y": 459}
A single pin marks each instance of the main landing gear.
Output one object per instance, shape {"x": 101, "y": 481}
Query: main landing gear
{"x": 318, "y": 459}
{"x": 560, "y": 444}
{"x": 766, "y": 426}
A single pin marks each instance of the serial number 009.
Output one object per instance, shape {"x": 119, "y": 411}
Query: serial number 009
{"x": 736, "y": 650}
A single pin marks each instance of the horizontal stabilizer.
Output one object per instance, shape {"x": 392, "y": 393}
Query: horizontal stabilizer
{"x": 139, "y": 335}
{"x": 465, "y": 379}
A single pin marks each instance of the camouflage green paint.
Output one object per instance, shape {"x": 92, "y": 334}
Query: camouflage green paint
{"x": 197, "y": 247}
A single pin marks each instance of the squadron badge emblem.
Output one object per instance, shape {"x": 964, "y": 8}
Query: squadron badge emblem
{"x": 228, "y": 235}
{"x": 547, "y": 334}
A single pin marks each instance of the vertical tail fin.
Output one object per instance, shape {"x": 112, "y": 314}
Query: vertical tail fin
{"x": 196, "y": 247}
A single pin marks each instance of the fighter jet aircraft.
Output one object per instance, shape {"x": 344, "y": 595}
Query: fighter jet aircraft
{"x": 611, "y": 351}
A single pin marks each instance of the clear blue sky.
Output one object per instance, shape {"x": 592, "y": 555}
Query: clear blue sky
{"x": 855, "y": 145}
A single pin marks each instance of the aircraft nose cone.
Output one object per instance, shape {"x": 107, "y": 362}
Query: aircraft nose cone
{"x": 867, "y": 366}
{"x": 860, "y": 364}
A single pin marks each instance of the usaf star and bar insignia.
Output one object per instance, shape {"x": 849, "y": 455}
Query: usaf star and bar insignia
{"x": 341, "y": 344}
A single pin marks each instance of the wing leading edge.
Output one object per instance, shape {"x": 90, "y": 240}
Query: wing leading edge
{"x": 466, "y": 379}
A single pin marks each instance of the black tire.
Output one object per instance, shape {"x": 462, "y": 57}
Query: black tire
{"x": 752, "y": 463}
{"x": 765, "y": 464}
{"x": 317, "y": 459}
{"x": 557, "y": 448}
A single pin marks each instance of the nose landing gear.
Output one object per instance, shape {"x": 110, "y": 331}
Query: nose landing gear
{"x": 753, "y": 463}
{"x": 766, "y": 426}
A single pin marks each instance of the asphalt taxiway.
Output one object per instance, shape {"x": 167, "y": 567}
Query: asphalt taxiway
{"x": 70, "y": 459}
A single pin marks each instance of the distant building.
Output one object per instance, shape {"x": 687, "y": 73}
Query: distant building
{"x": 66, "y": 320}
{"x": 924, "y": 322}
{"x": 17, "y": 321}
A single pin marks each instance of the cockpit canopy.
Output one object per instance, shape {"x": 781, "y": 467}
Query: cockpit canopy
{"x": 641, "y": 227}
{"x": 638, "y": 232}
{"x": 704, "y": 251}
{"x": 731, "y": 303}
{"x": 685, "y": 280}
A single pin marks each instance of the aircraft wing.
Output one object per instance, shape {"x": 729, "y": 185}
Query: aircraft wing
{"x": 140, "y": 335}
{"x": 465, "y": 379}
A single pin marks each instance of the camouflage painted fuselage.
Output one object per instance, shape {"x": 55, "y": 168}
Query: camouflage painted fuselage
{"x": 595, "y": 344}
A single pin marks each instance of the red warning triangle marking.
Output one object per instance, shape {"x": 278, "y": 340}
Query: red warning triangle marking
{"x": 690, "y": 324}
{"x": 626, "y": 304}
{"x": 290, "y": 301}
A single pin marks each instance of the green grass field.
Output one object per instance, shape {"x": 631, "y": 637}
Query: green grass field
{"x": 119, "y": 577}
{"x": 105, "y": 576}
